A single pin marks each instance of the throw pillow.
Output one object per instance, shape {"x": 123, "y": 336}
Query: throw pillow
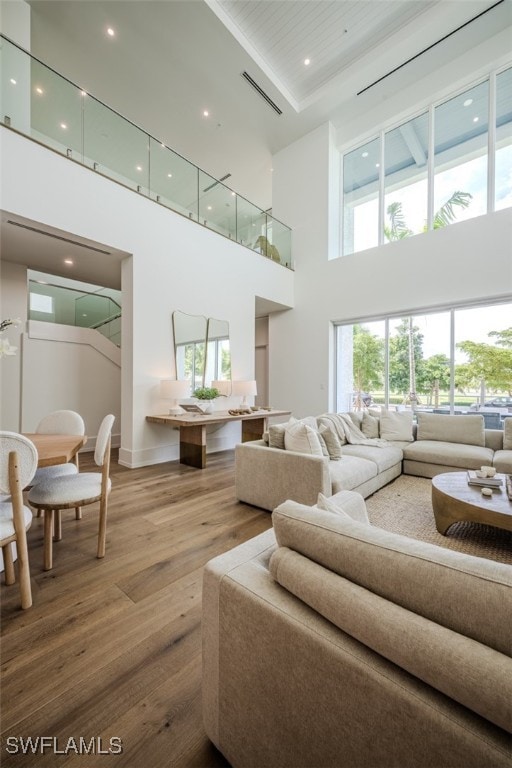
{"x": 370, "y": 425}
{"x": 355, "y": 508}
{"x": 396, "y": 425}
{"x": 276, "y": 435}
{"x": 300, "y": 438}
{"x": 507, "y": 434}
{"x": 331, "y": 442}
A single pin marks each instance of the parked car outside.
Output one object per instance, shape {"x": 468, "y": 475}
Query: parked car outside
{"x": 501, "y": 401}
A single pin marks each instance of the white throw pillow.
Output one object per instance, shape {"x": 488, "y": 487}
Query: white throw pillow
{"x": 370, "y": 425}
{"x": 507, "y": 434}
{"x": 331, "y": 442}
{"x": 396, "y": 425}
{"x": 354, "y": 509}
{"x": 300, "y": 438}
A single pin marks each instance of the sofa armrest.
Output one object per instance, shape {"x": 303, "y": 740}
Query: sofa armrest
{"x": 494, "y": 439}
{"x": 265, "y": 477}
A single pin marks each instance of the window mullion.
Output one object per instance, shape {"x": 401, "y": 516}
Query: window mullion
{"x": 491, "y": 144}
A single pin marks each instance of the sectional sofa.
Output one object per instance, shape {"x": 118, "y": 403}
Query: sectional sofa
{"x": 331, "y": 643}
{"x": 376, "y": 449}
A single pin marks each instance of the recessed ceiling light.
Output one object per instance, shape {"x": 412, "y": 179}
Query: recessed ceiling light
{"x": 13, "y": 81}
{"x": 377, "y": 165}
{"x": 169, "y": 175}
{"x": 209, "y": 207}
{"x": 63, "y": 126}
{"x": 205, "y": 113}
{"x": 364, "y": 154}
{"x": 307, "y": 62}
{"x": 39, "y": 90}
{"x": 68, "y": 261}
{"x": 233, "y": 194}
{"x": 84, "y": 93}
{"x": 468, "y": 102}
{"x": 139, "y": 167}
{"x": 476, "y": 119}
{"x": 110, "y": 32}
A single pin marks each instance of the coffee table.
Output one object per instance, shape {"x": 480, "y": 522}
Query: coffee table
{"x": 453, "y": 500}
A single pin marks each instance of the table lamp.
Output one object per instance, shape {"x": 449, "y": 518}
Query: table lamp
{"x": 173, "y": 389}
{"x": 246, "y": 389}
{"x": 223, "y": 387}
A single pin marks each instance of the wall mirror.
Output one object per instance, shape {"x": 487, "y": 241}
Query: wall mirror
{"x": 190, "y": 347}
{"x": 218, "y": 354}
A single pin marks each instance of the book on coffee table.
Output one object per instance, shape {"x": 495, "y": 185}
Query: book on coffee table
{"x": 484, "y": 482}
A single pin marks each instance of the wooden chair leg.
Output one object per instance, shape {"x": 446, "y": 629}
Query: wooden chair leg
{"x": 78, "y": 513}
{"x": 39, "y": 513}
{"x": 48, "y": 543}
{"x": 102, "y": 532}
{"x": 10, "y": 577}
{"x": 57, "y": 525}
{"x": 24, "y": 572}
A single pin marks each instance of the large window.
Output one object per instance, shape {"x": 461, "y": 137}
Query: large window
{"x": 452, "y": 360}
{"x": 503, "y": 163}
{"x": 389, "y": 180}
{"x": 460, "y": 162}
{"x": 361, "y": 196}
{"x": 405, "y": 179}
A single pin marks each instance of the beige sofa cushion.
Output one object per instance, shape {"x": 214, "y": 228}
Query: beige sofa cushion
{"x": 467, "y": 430}
{"x": 383, "y": 456}
{"x": 502, "y": 461}
{"x": 301, "y": 438}
{"x": 470, "y": 595}
{"x": 507, "y": 434}
{"x": 396, "y": 425}
{"x": 448, "y": 454}
{"x": 370, "y": 425}
{"x": 350, "y": 472}
{"x": 349, "y": 503}
{"x": 478, "y": 677}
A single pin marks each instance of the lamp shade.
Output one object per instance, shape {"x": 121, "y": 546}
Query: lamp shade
{"x": 245, "y": 388}
{"x": 172, "y": 389}
{"x": 223, "y": 387}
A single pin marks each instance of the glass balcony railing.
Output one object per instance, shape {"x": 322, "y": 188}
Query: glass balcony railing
{"x": 41, "y": 104}
{"x": 70, "y": 306}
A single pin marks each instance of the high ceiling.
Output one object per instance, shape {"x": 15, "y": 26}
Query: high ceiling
{"x": 170, "y": 60}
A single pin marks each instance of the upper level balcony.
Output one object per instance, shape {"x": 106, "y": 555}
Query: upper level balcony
{"x": 46, "y": 107}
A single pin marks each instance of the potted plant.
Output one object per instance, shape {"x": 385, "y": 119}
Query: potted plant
{"x": 206, "y": 395}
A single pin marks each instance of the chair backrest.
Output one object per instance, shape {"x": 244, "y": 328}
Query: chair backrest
{"x": 27, "y": 459}
{"x": 103, "y": 439}
{"x": 61, "y": 423}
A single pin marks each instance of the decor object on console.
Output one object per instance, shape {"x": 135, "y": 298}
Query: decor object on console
{"x": 245, "y": 389}
{"x": 173, "y": 389}
{"x": 206, "y": 395}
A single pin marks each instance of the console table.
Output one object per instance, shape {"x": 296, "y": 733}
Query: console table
{"x": 192, "y": 429}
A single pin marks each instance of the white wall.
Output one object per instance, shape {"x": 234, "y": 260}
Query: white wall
{"x": 462, "y": 263}
{"x": 175, "y": 264}
{"x": 15, "y": 21}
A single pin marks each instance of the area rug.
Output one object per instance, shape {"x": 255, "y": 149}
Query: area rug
{"x": 405, "y": 506}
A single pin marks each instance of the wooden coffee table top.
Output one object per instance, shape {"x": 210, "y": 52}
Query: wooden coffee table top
{"x": 453, "y": 500}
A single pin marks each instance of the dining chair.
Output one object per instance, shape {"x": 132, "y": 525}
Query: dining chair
{"x": 62, "y": 422}
{"x": 68, "y": 491}
{"x": 18, "y": 463}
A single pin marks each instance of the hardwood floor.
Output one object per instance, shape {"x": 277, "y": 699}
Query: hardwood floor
{"x": 112, "y": 648}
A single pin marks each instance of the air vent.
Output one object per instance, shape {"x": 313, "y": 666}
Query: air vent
{"x": 222, "y": 178}
{"x": 429, "y": 48}
{"x": 58, "y": 237}
{"x": 262, "y": 93}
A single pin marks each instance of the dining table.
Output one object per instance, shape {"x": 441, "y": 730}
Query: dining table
{"x": 55, "y": 449}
